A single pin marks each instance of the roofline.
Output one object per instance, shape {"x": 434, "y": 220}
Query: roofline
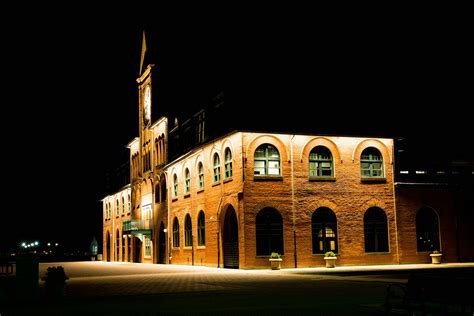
{"x": 127, "y": 186}
{"x": 163, "y": 118}
{"x": 131, "y": 142}
{"x": 319, "y": 134}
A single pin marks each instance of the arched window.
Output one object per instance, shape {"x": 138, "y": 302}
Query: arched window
{"x": 188, "y": 231}
{"x": 320, "y": 162}
{"x": 269, "y": 231}
{"x": 228, "y": 164}
{"x": 129, "y": 204}
{"x": 200, "y": 176}
{"x": 427, "y": 230}
{"x": 216, "y": 168}
{"x": 187, "y": 181}
{"x": 175, "y": 186}
{"x": 175, "y": 233}
{"x": 371, "y": 163}
{"x": 201, "y": 229}
{"x": 123, "y": 205}
{"x": 157, "y": 193}
{"x": 110, "y": 211}
{"x": 266, "y": 160}
{"x": 375, "y": 230}
{"x": 324, "y": 230}
{"x": 159, "y": 154}
{"x": 117, "y": 207}
{"x": 163, "y": 149}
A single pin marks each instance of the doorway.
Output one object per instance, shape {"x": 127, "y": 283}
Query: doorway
{"x": 230, "y": 239}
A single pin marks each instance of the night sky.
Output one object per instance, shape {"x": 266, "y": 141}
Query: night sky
{"x": 72, "y": 95}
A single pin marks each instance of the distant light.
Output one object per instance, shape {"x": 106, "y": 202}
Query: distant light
{"x": 440, "y": 172}
{"x": 56, "y": 244}
{"x": 404, "y": 172}
{"x": 455, "y": 172}
{"x": 23, "y": 244}
{"x": 49, "y": 244}
{"x": 420, "y": 172}
{"x": 36, "y": 243}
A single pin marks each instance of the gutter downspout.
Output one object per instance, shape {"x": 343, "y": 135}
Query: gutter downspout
{"x": 293, "y": 201}
{"x": 218, "y": 233}
{"x": 168, "y": 211}
{"x": 395, "y": 202}
{"x": 217, "y": 217}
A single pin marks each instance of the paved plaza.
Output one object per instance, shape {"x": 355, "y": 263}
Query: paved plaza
{"x": 110, "y": 288}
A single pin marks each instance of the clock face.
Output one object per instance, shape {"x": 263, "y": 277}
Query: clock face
{"x": 147, "y": 106}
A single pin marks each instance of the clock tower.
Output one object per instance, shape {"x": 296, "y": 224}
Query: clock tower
{"x": 145, "y": 95}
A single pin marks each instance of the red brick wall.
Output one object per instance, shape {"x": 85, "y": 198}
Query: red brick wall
{"x": 214, "y": 200}
{"x": 347, "y": 197}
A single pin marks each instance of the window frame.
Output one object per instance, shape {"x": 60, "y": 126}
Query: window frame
{"x": 176, "y": 243}
{"x": 376, "y": 231}
{"x": 187, "y": 181}
{"x": 371, "y": 161}
{"x": 328, "y": 219}
{"x": 175, "y": 186}
{"x": 216, "y": 168}
{"x": 188, "y": 231}
{"x": 228, "y": 164}
{"x": 200, "y": 178}
{"x": 266, "y": 159}
{"x": 318, "y": 151}
{"x": 269, "y": 232}
{"x": 201, "y": 229}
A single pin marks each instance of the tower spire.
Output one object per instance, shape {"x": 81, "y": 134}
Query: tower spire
{"x": 142, "y": 57}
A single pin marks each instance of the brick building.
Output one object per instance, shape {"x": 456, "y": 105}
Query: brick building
{"x": 204, "y": 194}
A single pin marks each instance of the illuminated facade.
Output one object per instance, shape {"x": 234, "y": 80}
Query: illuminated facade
{"x": 232, "y": 199}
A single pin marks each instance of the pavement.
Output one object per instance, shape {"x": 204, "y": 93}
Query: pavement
{"x": 113, "y": 288}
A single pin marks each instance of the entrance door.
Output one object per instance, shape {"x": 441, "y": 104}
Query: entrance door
{"x": 138, "y": 250}
{"x": 231, "y": 240}
{"x": 161, "y": 245}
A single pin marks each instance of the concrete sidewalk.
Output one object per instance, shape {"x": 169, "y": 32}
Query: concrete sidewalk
{"x": 389, "y": 268}
{"x": 110, "y": 288}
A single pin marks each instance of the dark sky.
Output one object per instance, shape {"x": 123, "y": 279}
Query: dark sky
{"x": 72, "y": 95}
{"x": 71, "y": 88}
